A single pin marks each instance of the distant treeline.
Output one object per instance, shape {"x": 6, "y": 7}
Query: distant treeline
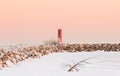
{"x": 89, "y": 47}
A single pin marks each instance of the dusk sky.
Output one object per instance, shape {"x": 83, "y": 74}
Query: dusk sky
{"x": 82, "y": 21}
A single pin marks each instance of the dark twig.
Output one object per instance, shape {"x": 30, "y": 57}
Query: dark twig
{"x": 75, "y": 65}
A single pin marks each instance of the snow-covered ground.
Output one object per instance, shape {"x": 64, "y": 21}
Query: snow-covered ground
{"x": 55, "y": 64}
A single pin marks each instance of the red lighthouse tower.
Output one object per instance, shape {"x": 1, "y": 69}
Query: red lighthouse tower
{"x": 59, "y": 36}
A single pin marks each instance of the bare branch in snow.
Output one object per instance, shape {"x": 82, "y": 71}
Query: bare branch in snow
{"x": 75, "y": 66}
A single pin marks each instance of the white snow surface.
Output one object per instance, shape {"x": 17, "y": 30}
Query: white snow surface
{"x": 55, "y": 64}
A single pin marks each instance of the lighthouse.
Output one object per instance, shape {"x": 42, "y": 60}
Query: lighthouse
{"x": 60, "y": 36}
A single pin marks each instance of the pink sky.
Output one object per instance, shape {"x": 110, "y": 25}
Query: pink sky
{"x": 82, "y": 21}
